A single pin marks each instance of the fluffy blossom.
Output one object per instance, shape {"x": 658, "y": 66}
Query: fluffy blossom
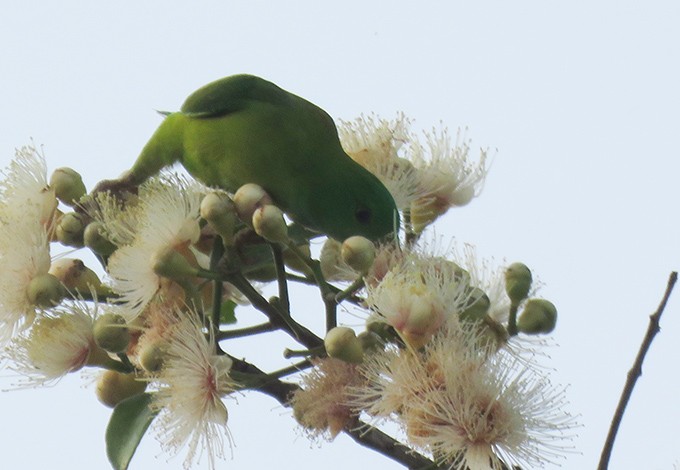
{"x": 470, "y": 408}
{"x": 166, "y": 220}
{"x": 321, "y": 404}
{"x": 419, "y": 295}
{"x": 58, "y": 343}
{"x": 193, "y": 381}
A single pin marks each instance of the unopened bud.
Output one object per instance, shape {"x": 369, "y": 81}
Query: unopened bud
{"x": 68, "y": 185}
{"x": 477, "y": 307}
{"x": 248, "y": 199}
{"x": 167, "y": 262}
{"x": 421, "y": 323}
{"x": 342, "y": 343}
{"x": 75, "y": 276}
{"x": 111, "y": 333}
{"x": 358, "y": 252}
{"x": 332, "y": 266}
{"x": 45, "y": 291}
{"x": 95, "y": 239}
{"x": 269, "y": 223}
{"x": 220, "y": 212}
{"x": 370, "y": 341}
{"x": 114, "y": 387}
{"x": 152, "y": 355}
{"x": 294, "y": 262}
{"x": 538, "y": 316}
{"x": 517, "y": 282}
{"x": 70, "y": 229}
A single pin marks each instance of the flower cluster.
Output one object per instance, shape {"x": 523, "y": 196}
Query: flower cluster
{"x": 438, "y": 354}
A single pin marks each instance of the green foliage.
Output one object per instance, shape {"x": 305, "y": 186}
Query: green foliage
{"x": 129, "y": 421}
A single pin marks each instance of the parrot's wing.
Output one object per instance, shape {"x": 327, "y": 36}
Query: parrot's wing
{"x": 230, "y": 95}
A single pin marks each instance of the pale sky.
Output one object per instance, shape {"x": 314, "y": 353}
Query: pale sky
{"x": 581, "y": 100}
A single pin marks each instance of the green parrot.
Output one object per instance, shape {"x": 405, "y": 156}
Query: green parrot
{"x": 243, "y": 129}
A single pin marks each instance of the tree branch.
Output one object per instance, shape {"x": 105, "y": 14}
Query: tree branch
{"x": 634, "y": 373}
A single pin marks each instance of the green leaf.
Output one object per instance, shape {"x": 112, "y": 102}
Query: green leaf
{"x": 129, "y": 421}
{"x": 228, "y": 312}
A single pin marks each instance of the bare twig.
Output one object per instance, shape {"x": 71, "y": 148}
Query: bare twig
{"x": 634, "y": 373}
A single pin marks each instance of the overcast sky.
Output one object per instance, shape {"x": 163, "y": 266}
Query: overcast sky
{"x": 581, "y": 100}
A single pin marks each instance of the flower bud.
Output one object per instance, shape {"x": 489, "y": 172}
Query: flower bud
{"x": 70, "y": 229}
{"x": 269, "y": 223}
{"x": 75, "y": 276}
{"x": 538, "y": 316}
{"x": 358, "y": 253}
{"x": 517, "y": 282}
{"x": 422, "y": 321}
{"x": 220, "y": 212}
{"x": 45, "y": 291}
{"x": 370, "y": 341}
{"x": 111, "y": 333}
{"x": 332, "y": 266}
{"x": 383, "y": 330}
{"x": 167, "y": 262}
{"x": 114, "y": 387}
{"x": 341, "y": 343}
{"x": 477, "y": 307}
{"x": 95, "y": 239}
{"x": 68, "y": 185}
{"x": 293, "y": 261}
{"x": 152, "y": 356}
{"x": 248, "y": 199}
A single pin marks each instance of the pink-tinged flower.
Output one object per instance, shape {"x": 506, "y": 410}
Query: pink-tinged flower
{"x": 320, "y": 406}
{"x": 192, "y": 382}
{"x": 419, "y": 295}
{"x": 469, "y": 407}
{"x": 58, "y": 343}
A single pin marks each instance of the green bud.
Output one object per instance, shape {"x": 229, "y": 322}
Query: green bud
{"x": 95, "y": 239}
{"x": 220, "y": 212}
{"x": 342, "y": 343}
{"x": 111, "y": 333}
{"x": 248, "y": 198}
{"x": 477, "y": 307}
{"x": 517, "y": 282}
{"x": 68, "y": 186}
{"x": 114, "y": 387}
{"x": 359, "y": 253}
{"x": 269, "y": 223}
{"x": 384, "y": 331}
{"x": 167, "y": 262}
{"x": 75, "y": 276}
{"x": 70, "y": 229}
{"x": 370, "y": 341}
{"x": 45, "y": 291}
{"x": 538, "y": 316}
{"x": 152, "y": 355}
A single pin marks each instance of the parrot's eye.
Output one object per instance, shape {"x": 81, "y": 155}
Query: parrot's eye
{"x": 363, "y": 215}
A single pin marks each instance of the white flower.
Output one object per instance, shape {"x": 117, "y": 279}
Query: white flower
{"x": 25, "y": 195}
{"x": 192, "y": 383}
{"x": 376, "y": 144}
{"x": 58, "y": 343}
{"x": 418, "y": 296}
{"x": 471, "y": 408}
{"x": 167, "y": 219}
{"x": 25, "y": 255}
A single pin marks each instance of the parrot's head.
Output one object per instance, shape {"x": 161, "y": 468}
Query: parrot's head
{"x": 356, "y": 204}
